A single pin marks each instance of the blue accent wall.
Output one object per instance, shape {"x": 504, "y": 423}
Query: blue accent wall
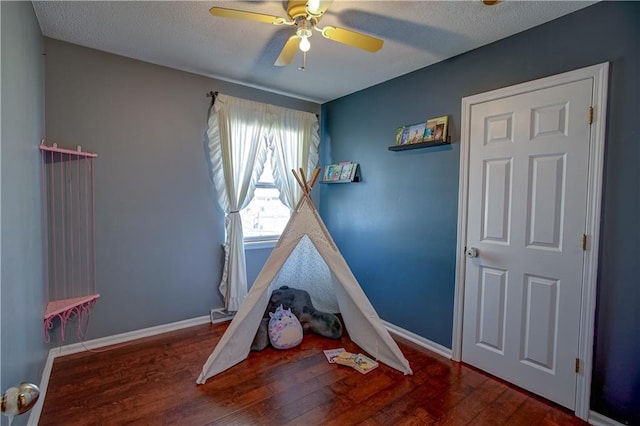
{"x": 398, "y": 228}
{"x": 22, "y": 351}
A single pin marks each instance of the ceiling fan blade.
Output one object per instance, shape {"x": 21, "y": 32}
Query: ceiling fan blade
{"x": 288, "y": 51}
{"x": 241, "y": 14}
{"x": 353, "y": 38}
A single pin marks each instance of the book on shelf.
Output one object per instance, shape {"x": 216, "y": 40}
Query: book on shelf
{"x": 416, "y": 133}
{"x": 402, "y": 135}
{"x": 436, "y": 129}
{"x": 332, "y": 172}
{"x": 348, "y": 171}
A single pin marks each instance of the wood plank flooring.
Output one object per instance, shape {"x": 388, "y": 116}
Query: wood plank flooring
{"x": 152, "y": 381}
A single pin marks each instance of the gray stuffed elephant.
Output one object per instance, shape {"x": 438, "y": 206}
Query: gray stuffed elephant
{"x": 299, "y": 301}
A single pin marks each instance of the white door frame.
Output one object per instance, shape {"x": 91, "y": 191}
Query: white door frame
{"x": 600, "y": 74}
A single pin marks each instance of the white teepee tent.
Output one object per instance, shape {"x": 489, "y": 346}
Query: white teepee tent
{"x": 306, "y": 258}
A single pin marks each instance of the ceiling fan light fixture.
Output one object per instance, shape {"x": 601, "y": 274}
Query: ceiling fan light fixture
{"x": 304, "y": 31}
{"x": 313, "y": 7}
{"x": 304, "y": 45}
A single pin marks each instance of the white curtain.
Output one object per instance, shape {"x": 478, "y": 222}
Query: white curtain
{"x": 238, "y": 130}
{"x": 294, "y": 142}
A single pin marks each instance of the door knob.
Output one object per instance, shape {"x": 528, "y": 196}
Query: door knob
{"x": 472, "y": 252}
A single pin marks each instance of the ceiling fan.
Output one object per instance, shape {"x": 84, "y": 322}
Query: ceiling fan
{"x": 304, "y": 16}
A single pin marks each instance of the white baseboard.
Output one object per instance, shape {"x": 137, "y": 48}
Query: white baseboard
{"x": 419, "y": 340}
{"x": 54, "y": 353}
{"x": 600, "y": 420}
{"x": 126, "y": 337}
{"x": 34, "y": 415}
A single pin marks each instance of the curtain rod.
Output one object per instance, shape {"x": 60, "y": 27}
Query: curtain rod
{"x": 213, "y": 96}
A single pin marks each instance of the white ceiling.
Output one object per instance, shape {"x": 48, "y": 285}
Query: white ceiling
{"x": 183, "y": 35}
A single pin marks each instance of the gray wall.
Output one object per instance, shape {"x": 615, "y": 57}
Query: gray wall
{"x": 397, "y": 229}
{"x": 159, "y": 228}
{"x": 22, "y": 352}
{"x": 256, "y": 259}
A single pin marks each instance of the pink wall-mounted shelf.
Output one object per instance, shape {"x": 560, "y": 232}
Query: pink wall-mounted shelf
{"x": 68, "y": 205}
{"x": 57, "y": 307}
{"x": 79, "y": 152}
{"x": 65, "y": 310}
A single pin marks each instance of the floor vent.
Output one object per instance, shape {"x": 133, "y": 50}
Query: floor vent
{"x": 220, "y": 315}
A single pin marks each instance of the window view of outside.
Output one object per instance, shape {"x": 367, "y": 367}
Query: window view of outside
{"x": 265, "y": 217}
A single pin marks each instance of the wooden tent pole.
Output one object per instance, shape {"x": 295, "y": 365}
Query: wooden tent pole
{"x": 304, "y": 180}
{"x": 295, "y": 175}
{"x": 316, "y": 173}
{"x": 303, "y": 186}
{"x": 306, "y": 186}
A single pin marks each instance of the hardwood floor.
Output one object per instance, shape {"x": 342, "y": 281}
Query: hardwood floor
{"x": 152, "y": 381}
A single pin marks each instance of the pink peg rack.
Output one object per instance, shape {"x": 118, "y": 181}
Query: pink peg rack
{"x": 69, "y": 236}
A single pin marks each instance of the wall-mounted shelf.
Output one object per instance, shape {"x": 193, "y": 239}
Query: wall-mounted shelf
{"x": 78, "y": 152}
{"x": 355, "y": 179}
{"x": 420, "y": 145}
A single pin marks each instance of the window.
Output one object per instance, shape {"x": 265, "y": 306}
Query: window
{"x": 265, "y": 217}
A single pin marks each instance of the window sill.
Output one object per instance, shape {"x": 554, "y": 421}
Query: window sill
{"x": 260, "y": 244}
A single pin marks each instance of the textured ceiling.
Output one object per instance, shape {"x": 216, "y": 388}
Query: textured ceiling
{"x": 183, "y": 35}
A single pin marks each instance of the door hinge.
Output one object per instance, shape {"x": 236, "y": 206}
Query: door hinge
{"x": 584, "y": 242}
{"x": 577, "y": 365}
{"x": 590, "y": 115}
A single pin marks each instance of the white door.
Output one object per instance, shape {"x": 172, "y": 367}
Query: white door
{"x": 527, "y": 196}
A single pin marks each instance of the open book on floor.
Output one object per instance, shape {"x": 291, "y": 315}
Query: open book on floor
{"x": 359, "y": 362}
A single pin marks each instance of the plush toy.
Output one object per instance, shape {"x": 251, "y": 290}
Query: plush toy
{"x": 299, "y": 302}
{"x": 285, "y": 331}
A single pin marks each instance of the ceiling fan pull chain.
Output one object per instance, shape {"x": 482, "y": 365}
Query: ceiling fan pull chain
{"x": 304, "y": 62}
